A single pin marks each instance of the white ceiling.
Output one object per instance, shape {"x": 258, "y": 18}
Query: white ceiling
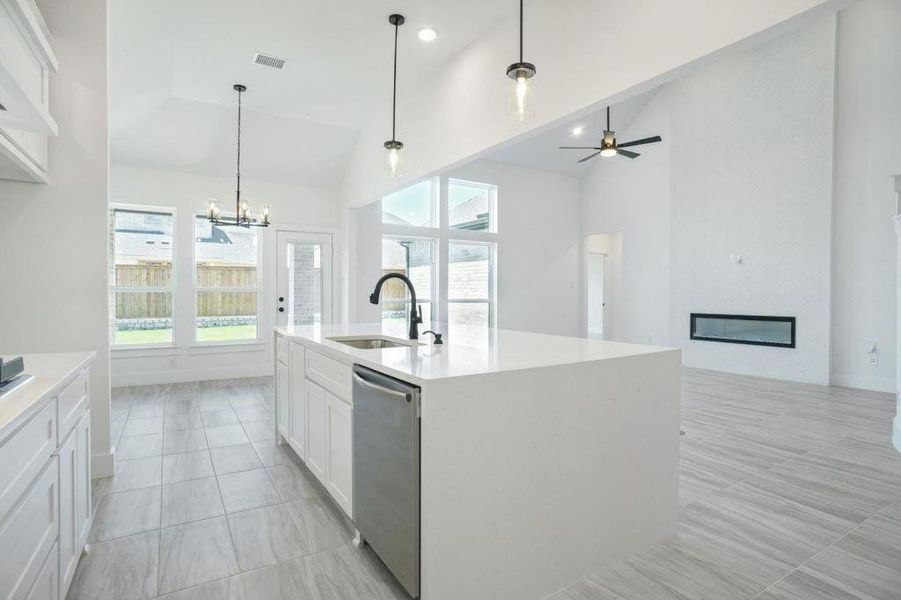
{"x": 542, "y": 151}
{"x": 172, "y": 65}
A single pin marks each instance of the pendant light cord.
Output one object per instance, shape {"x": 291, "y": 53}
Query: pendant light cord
{"x": 238, "y": 191}
{"x": 520, "y": 31}
{"x": 394, "y": 96}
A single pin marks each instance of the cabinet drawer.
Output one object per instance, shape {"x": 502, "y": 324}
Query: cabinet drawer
{"x": 24, "y": 454}
{"x": 73, "y": 400}
{"x": 283, "y": 349}
{"x": 331, "y": 374}
{"x": 28, "y": 534}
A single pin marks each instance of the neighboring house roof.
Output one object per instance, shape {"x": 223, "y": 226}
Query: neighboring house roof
{"x": 472, "y": 213}
{"x": 221, "y": 245}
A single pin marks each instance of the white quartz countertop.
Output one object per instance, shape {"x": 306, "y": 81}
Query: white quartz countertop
{"x": 51, "y": 372}
{"x": 466, "y": 350}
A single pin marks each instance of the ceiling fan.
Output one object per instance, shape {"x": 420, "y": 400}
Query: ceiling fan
{"x": 609, "y": 147}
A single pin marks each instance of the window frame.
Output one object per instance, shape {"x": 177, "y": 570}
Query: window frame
{"x": 492, "y": 280}
{"x": 112, "y": 288}
{"x": 432, "y": 298}
{"x": 196, "y": 289}
{"x": 443, "y": 235}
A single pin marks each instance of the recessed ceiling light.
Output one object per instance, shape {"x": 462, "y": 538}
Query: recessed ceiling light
{"x": 577, "y": 130}
{"x": 428, "y": 34}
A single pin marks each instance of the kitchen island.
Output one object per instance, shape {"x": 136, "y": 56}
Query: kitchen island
{"x": 543, "y": 457}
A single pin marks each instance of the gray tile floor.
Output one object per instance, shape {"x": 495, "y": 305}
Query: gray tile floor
{"x": 205, "y": 506}
{"x": 788, "y": 491}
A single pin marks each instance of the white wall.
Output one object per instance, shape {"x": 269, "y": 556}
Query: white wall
{"x": 53, "y": 237}
{"x": 868, "y": 155}
{"x": 539, "y": 261}
{"x": 459, "y": 112}
{"x": 538, "y": 265}
{"x": 293, "y": 208}
{"x": 633, "y": 197}
{"x": 745, "y": 168}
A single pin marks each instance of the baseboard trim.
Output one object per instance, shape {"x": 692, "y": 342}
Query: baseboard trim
{"x": 103, "y": 465}
{"x": 875, "y": 384}
{"x": 183, "y": 376}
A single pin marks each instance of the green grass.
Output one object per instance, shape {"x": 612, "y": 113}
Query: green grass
{"x": 204, "y": 334}
{"x": 230, "y": 333}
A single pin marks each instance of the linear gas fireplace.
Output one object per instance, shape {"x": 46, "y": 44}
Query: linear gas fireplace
{"x": 757, "y": 330}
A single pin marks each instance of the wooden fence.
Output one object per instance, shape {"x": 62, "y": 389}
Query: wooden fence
{"x": 156, "y": 305}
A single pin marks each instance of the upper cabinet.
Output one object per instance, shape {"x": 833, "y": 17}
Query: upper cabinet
{"x": 26, "y": 61}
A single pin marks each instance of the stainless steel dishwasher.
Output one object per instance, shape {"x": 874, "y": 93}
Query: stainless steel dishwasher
{"x": 386, "y": 471}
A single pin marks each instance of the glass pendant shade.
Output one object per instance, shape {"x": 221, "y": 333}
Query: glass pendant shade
{"x": 521, "y": 92}
{"x": 394, "y": 158}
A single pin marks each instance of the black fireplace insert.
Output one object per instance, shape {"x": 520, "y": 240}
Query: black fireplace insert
{"x": 756, "y": 330}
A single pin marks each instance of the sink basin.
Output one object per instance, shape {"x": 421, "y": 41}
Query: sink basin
{"x": 371, "y": 343}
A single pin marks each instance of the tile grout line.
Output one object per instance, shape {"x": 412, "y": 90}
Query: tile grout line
{"x": 831, "y": 544}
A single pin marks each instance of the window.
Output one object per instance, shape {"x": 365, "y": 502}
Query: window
{"x": 470, "y": 205}
{"x": 414, "y": 258}
{"x": 451, "y": 234}
{"x": 226, "y": 280}
{"x": 142, "y": 277}
{"x": 413, "y": 206}
{"x": 470, "y": 283}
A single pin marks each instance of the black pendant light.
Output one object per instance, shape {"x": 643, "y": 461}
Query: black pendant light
{"x": 393, "y": 146}
{"x": 521, "y": 72}
{"x": 243, "y": 218}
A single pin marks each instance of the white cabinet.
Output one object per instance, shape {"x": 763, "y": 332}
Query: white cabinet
{"x": 317, "y": 430}
{"x": 283, "y": 398}
{"x": 46, "y": 586}
{"x": 45, "y": 495}
{"x": 298, "y": 401}
{"x": 74, "y": 498}
{"x": 25, "y": 66}
{"x": 340, "y": 452}
{"x": 315, "y": 415}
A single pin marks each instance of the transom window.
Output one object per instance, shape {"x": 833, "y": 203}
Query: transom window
{"x": 441, "y": 233}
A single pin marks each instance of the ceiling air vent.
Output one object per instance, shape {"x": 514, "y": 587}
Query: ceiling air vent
{"x": 269, "y": 61}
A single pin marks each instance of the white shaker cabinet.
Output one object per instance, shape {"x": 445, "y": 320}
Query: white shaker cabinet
{"x": 340, "y": 452}
{"x": 283, "y": 398}
{"x": 74, "y": 497}
{"x": 45, "y": 478}
{"x": 298, "y": 401}
{"x": 317, "y": 431}
{"x": 26, "y": 62}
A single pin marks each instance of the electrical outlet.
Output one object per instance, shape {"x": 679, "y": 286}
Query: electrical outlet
{"x": 873, "y": 353}
{"x": 171, "y": 363}
{"x": 873, "y": 359}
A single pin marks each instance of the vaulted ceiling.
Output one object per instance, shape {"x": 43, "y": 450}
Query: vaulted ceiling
{"x": 172, "y": 65}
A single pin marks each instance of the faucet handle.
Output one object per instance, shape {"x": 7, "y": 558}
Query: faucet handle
{"x": 418, "y": 312}
{"x": 437, "y": 335}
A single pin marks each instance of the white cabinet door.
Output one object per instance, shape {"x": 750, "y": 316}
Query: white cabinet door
{"x": 317, "y": 440}
{"x": 340, "y": 453}
{"x": 74, "y": 498}
{"x": 283, "y": 398}
{"x": 298, "y": 402}
{"x": 46, "y": 585}
{"x": 83, "y": 507}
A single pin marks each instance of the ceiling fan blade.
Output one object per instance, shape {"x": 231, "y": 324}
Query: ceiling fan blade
{"x": 648, "y": 140}
{"x": 579, "y": 148}
{"x": 589, "y": 156}
{"x": 627, "y": 153}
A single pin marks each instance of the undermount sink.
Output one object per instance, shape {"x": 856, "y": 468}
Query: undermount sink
{"x": 371, "y": 343}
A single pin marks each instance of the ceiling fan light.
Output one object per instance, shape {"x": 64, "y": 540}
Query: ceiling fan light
{"x": 608, "y": 152}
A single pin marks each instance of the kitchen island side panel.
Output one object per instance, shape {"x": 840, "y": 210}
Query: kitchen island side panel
{"x": 533, "y": 479}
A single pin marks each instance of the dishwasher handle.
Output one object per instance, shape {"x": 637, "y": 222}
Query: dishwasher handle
{"x": 383, "y": 390}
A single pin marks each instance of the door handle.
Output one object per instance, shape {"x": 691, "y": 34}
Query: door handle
{"x": 281, "y": 309}
{"x": 281, "y": 298}
{"x": 380, "y": 389}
